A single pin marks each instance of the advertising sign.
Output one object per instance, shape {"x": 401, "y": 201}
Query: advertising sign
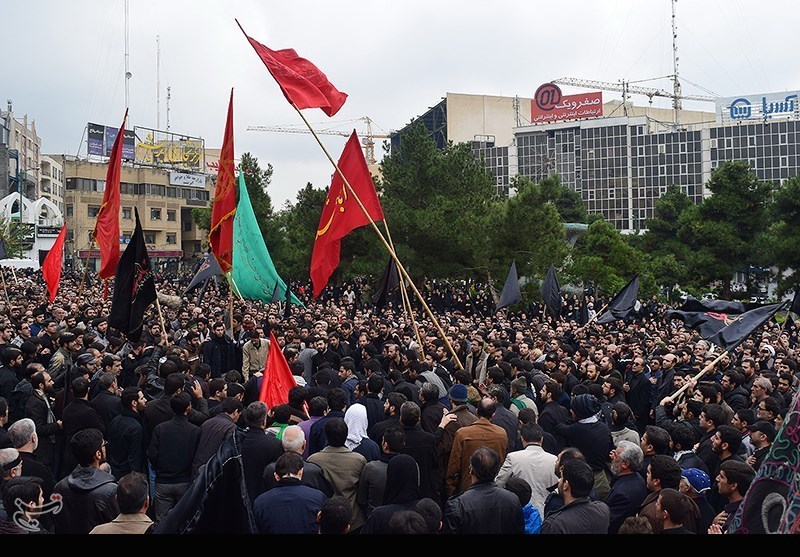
{"x": 100, "y": 141}
{"x": 171, "y": 150}
{"x": 183, "y": 179}
{"x": 763, "y": 107}
{"x": 549, "y": 105}
{"x": 95, "y": 134}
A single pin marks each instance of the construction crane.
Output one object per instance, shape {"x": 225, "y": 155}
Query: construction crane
{"x": 368, "y": 140}
{"x": 627, "y": 88}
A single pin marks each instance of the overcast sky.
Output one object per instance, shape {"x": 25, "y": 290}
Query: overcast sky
{"x": 63, "y": 61}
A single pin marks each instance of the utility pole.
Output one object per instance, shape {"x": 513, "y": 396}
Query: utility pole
{"x": 128, "y": 74}
{"x": 676, "y": 84}
{"x": 158, "y": 82}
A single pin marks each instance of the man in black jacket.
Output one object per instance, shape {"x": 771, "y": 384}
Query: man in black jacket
{"x": 171, "y": 453}
{"x": 39, "y": 408}
{"x": 483, "y": 508}
{"x": 88, "y": 493}
{"x": 126, "y": 448}
{"x": 259, "y": 448}
{"x": 79, "y": 415}
{"x": 218, "y": 352}
{"x": 107, "y": 401}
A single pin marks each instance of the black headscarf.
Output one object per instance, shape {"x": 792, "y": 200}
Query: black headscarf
{"x": 402, "y": 481}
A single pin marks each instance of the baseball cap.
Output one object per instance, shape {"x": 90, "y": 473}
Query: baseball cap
{"x": 766, "y": 428}
{"x": 698, "y": 479}
{"x": 458, "y": 393}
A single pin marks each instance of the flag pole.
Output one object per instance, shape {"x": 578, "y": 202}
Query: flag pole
{"x": 382, "y": 238}
{"x": 594, "y": 317}
{"x": 160, "y": 315}
{"x": 5, "y": 289}
{"x": 406, "y": 300}
{"x": 694, "y": 379}
{"x": 14, "y": 274}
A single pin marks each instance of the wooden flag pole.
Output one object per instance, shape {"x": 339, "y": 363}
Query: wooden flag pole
{"x": 383, "y": 240}
{"x": 596, "y": 315}
{"x": 160, "y": 315}
{"x": 14, "y": 274}
{"x": 407, "y": 301}
{"x": 5, "y": 289}
{"x": 694, "y": 379}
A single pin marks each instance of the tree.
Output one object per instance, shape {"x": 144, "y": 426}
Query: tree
{"x": 526, "y": 228}
{"x": 436, "y": 203}
{"x": 781, "y": 240}
{"x": 298, "y": 224}
{"x": 12, "y": 236}
{"x": 568, "y": 202}
{"x": 722, "y": 229}
{"x": 604, "y": 258}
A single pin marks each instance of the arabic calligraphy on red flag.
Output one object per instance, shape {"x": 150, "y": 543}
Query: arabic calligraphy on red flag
{"x": 550, "y": 106}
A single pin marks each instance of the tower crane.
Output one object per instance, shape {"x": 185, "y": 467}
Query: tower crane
{"x": 368, "y": 140}
{"x": 627, "y": 88}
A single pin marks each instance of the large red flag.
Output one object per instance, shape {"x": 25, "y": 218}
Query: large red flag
{"x": 220, "y": 238}
{"x": 106, "y": 229}
{"x": 278, "y": 378}
{"x": 341, "y": 213}
{"x": 51, "y": 268}
{"x": 302, "y": 83}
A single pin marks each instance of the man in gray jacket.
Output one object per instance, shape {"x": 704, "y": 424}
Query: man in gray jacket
{"x": 579, "y": 515}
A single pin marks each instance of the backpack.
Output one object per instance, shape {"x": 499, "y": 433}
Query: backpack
{"x": 518, "y": 403}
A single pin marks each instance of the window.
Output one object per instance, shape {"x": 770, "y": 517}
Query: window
{"x": 126, "y": 213}
{"x": 149, "y": 237}
{"x": 171, "y": 239}
{"x": 155, "y": 214}
{"x": 93, "y": 211}
{"x": 612, "y": 194}
{"x": 69, "y": 210}
{"x": 171, "y": 216}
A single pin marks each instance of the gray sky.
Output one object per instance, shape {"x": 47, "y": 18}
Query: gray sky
{"x": 63, "y": 61}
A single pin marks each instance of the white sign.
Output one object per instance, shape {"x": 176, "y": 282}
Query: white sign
{"x": 183, "y": 179}
{"x": 758, "y": 108}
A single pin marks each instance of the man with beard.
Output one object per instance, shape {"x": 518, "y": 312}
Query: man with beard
{"x": 39, "y": 408}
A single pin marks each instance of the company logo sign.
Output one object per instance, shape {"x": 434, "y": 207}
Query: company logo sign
{"x": 762, "y": 107}
{"x": 550, "y": 105}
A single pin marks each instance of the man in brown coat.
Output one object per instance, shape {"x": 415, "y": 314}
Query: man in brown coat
{"x": 458, "y": 417}
{"x": 470, "y": 438}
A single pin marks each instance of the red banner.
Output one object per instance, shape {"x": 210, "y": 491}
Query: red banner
{"x": 549, "y": 105}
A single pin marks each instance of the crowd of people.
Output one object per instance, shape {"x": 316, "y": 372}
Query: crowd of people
{"x": 514, "y": 422}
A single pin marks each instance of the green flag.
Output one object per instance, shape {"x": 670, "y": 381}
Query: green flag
{"x": 254, "y": 273}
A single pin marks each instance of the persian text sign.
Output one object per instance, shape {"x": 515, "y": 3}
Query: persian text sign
{"x": 549, "y": 105}
{"x": 183, "y": 179}
{"x": 167, "y": 149}
{"x": 764, "y": 107}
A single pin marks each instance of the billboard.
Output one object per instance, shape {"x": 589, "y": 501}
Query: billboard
{"x": 762, "y": 107}
{"x": 169, "y": 150}
{"x": 183, "y": 179}
{"x": 550, "y": 105}
{"x": 100, "y": 141}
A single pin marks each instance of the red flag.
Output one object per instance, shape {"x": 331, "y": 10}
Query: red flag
{"x": 106, "y": 229}
{"x": 302, "y": 83}
{"x": 341, "y": 213}
{"x": 51, "y": 268}
{"x": 220, "y": 238}
{"x": 278, "y": 378}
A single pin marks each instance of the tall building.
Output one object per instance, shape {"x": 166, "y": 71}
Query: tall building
{"x": 51, "y": 183}
{"x": 20, "y": 151}
{"x": 162, "y": 197}
{"x": 623, "y": 157}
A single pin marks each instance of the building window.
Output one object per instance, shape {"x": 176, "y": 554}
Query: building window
{"x": 93, "y": 211}
{"x": 126, "y": 213}
{"x": 171, "y": 239}
{"x": 69, "y": 210}
{"x": 155, "y": 214}
{"x": 171, "y": 216}
{"x": 149, "y": 237}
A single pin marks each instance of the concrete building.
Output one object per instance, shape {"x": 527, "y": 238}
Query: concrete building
{"x": 624, "y": 158}
{"x": 162, "y": 197}
{"x": 51, "y": 184}
{"x": 20, "y": 151}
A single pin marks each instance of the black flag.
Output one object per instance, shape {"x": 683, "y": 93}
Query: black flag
{"x": 207, "y": 269}
{"x": 511, "y": 293}
{"x": 276, "y": 293}
{"x": 134, "y": 287}
{"x": 716, "y": 306}
{"x": 622, "y": 304}
{"x": 795, "y": 307}
{"x": 584, "y": 317}
{"x": 3, "y": 250}
{"x": 389, "y": 281}
{"x": 551, "y": 295}
{"x": 287, "y": 309}
{"x": 707, "y": 323}
{"x": 743, "y": 325}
